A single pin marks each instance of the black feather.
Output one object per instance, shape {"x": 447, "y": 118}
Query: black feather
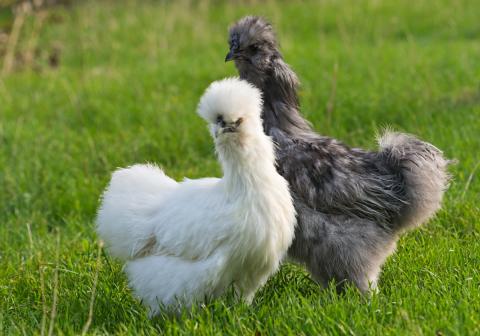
{"x": 352, "y": 204}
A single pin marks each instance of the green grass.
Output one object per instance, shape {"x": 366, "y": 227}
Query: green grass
{"x": 125, "y": 91}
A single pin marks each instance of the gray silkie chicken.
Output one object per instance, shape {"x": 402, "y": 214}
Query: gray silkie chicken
{"x": 352, "y": 204}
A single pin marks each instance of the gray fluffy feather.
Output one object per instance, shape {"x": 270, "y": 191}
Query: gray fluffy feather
{"x": 352, "y": 204}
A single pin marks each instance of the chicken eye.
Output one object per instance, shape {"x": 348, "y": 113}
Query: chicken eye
{"x": 254, "y": 48}
{"x": 220, "y": 121}
{"x": 238, "y": 122}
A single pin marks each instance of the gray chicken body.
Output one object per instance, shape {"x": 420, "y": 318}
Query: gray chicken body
{"x": 352, "y": 204}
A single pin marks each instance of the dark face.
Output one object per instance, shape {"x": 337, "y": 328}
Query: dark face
{"x": 252, "y": 46}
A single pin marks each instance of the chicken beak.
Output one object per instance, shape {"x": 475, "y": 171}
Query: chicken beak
{"x": 229, "y": 56}
{"x": 229, "y": 129}
{"x": 232, "y": 127}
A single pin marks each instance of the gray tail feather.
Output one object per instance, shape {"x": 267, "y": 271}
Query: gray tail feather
{"x": 424, "y": 171}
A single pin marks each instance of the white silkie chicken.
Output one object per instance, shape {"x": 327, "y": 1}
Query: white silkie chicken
{"x": 188, "y": 241}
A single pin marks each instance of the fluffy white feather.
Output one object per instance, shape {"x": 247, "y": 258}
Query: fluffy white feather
{"x": 188, "y": 241}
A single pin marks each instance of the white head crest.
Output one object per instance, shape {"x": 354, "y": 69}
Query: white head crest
{"x": 229, "y": 100}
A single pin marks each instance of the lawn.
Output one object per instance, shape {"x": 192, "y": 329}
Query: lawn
{"x": 117, "y": 82}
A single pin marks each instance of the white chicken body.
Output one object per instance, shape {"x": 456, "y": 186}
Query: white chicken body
{"x": 188, "y": 241}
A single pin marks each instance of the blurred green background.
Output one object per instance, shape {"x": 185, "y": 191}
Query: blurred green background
{"x": 88, "y": 86}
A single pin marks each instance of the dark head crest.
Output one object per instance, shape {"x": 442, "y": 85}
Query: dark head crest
{"x": 253, "y": 47}
{"x": 252, "y": 31}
